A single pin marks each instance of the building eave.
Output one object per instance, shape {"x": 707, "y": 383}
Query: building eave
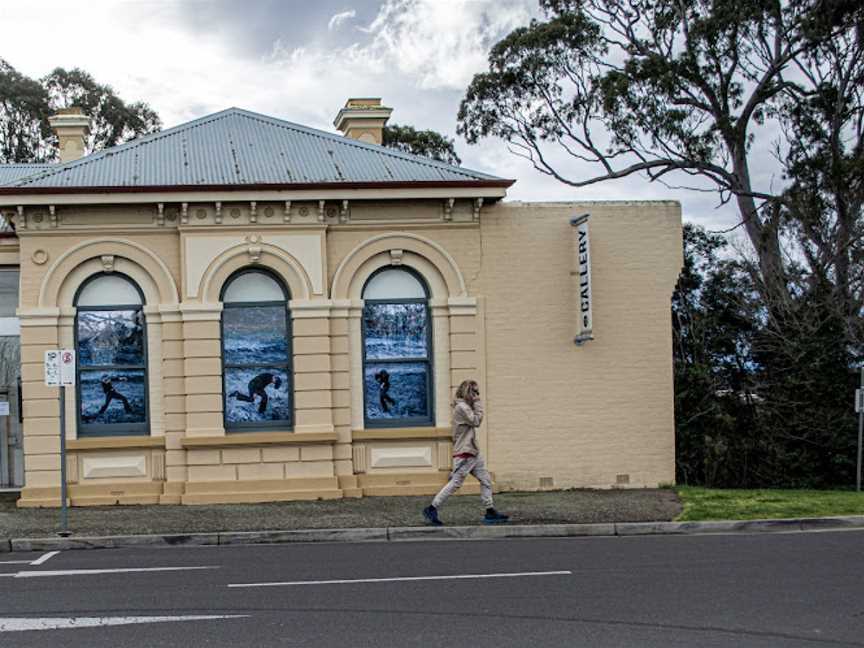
{"x": 487, "y": 189}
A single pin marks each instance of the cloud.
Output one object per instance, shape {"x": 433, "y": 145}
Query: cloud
{"x": 419, "y": 55}
{"x": 339, "y": 18}
{"x": 442, "y": 44}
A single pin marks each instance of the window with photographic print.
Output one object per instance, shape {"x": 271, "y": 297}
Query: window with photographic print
{"x": 111, "y": 344}
{"x": 256, "y": 353}
{"x": 397, "y": 350}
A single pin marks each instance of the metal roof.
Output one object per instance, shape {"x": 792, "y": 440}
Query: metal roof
{"x": 9, "y": 173}
{"x": 235, "y": 148}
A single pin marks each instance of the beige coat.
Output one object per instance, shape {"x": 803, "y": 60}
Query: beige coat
{"x": 465, "y": 423}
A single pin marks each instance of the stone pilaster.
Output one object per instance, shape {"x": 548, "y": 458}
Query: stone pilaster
{"x": 201, "y": 401}
{"x": 172, "y": 367}
{"x": 41, "y": 409}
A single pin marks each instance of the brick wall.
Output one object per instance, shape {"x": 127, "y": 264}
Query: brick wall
{"x": 590, "y": 415}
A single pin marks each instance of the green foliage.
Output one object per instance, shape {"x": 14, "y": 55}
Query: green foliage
{"x": 113, "y": 120}
{"x": 26, "y": 105}
{"x": 713, "y": 329}
{"x": 24, "y": 130}
{"x": 758, "y": 402}
{"x": 426, "y": 143}
{"x": 806, "y": 423}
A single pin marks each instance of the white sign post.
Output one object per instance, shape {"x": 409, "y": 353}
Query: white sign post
{"x": 583, "y": 258}
{"x": 59, "y": 372}
{"x": 859, "y": 407}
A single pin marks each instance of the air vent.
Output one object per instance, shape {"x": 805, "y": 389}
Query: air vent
{"x": 622, "y": 479}
{"x": 546, "y": 482}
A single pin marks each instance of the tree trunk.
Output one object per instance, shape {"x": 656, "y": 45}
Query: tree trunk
{"x": 764, "y": 236}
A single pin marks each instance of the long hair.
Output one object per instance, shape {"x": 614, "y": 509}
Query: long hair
{"x": 464, "y": 391}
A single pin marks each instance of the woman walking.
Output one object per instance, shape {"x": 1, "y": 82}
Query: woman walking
{"x": 467, "y": 417}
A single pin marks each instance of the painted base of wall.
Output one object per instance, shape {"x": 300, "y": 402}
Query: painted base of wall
{"x": 264, "y": 490}
{"x": 244, "y": 492}
{"x": 124, "y": 493}
{"x": 403, "y": 484}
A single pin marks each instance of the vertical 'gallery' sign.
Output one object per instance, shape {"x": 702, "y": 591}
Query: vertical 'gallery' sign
{"x": 582, "y": 275}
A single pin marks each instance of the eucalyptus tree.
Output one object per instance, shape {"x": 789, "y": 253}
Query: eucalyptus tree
{"x": 698, "y": 92}
{"x": 761, "y": 101}
{"x": 427, "y": 143}
{"x": 26, "y": 104}
{"x": 24, "y": 130}
{"x": 113, "y": 121}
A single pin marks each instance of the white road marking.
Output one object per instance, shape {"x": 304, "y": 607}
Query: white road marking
{"x": 45, "y": 558}
{"x": 15, "y": 562}
{"x": 64, "y": 623}
{"x": 92, "y": 572}
{"x": 404, "y": 578}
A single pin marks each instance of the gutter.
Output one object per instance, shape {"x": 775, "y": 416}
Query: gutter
{"x": 489, "y": 190}
{"x": 408, "y": 534}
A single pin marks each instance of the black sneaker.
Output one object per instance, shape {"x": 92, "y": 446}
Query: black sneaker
{"x": 431, "y": 515}
{"x": 494, "y": 517}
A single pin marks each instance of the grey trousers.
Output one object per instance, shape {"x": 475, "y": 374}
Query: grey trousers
{"x": 462, "y": 467}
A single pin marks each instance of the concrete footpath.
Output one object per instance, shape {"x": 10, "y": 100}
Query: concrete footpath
{"x": 375, "y": 519}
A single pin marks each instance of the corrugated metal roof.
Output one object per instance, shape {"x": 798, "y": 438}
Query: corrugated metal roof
{"x": 239, "y": 147}
{"x": 9, "y": 173}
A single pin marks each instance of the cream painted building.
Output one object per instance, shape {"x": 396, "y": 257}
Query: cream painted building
{"x": 263, "y": 311}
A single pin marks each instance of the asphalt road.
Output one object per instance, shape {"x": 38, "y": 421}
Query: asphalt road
{"x": 792, "y": 590}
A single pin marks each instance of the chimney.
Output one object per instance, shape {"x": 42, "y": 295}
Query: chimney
{"x": 72, "y": 127}
{"x": 363, "y": 119}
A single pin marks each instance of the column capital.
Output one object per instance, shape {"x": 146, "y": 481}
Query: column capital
{"x": 196, "y": 312}
{"x": 310, "y": 308}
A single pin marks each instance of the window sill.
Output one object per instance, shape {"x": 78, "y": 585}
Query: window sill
{"x": 114, "y": 443}
{"x": 259, "y": 438}
{"x": 388, "y": 434}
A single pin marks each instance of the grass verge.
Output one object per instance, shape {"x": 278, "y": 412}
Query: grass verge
{"x": 734, "y": 504}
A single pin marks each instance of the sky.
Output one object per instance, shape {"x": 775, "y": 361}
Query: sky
{"x": 300, "y": 61}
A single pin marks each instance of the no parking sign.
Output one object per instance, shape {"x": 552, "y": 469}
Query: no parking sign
{"x": 67, "y": 367}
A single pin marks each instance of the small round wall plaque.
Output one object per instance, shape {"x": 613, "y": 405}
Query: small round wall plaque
{"x": 39, "y": 257}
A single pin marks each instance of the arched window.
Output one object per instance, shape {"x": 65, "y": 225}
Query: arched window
{"x": 111, "y": 340}
{"x": 397, "y": 350}
{"x": 256, "y": 352}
